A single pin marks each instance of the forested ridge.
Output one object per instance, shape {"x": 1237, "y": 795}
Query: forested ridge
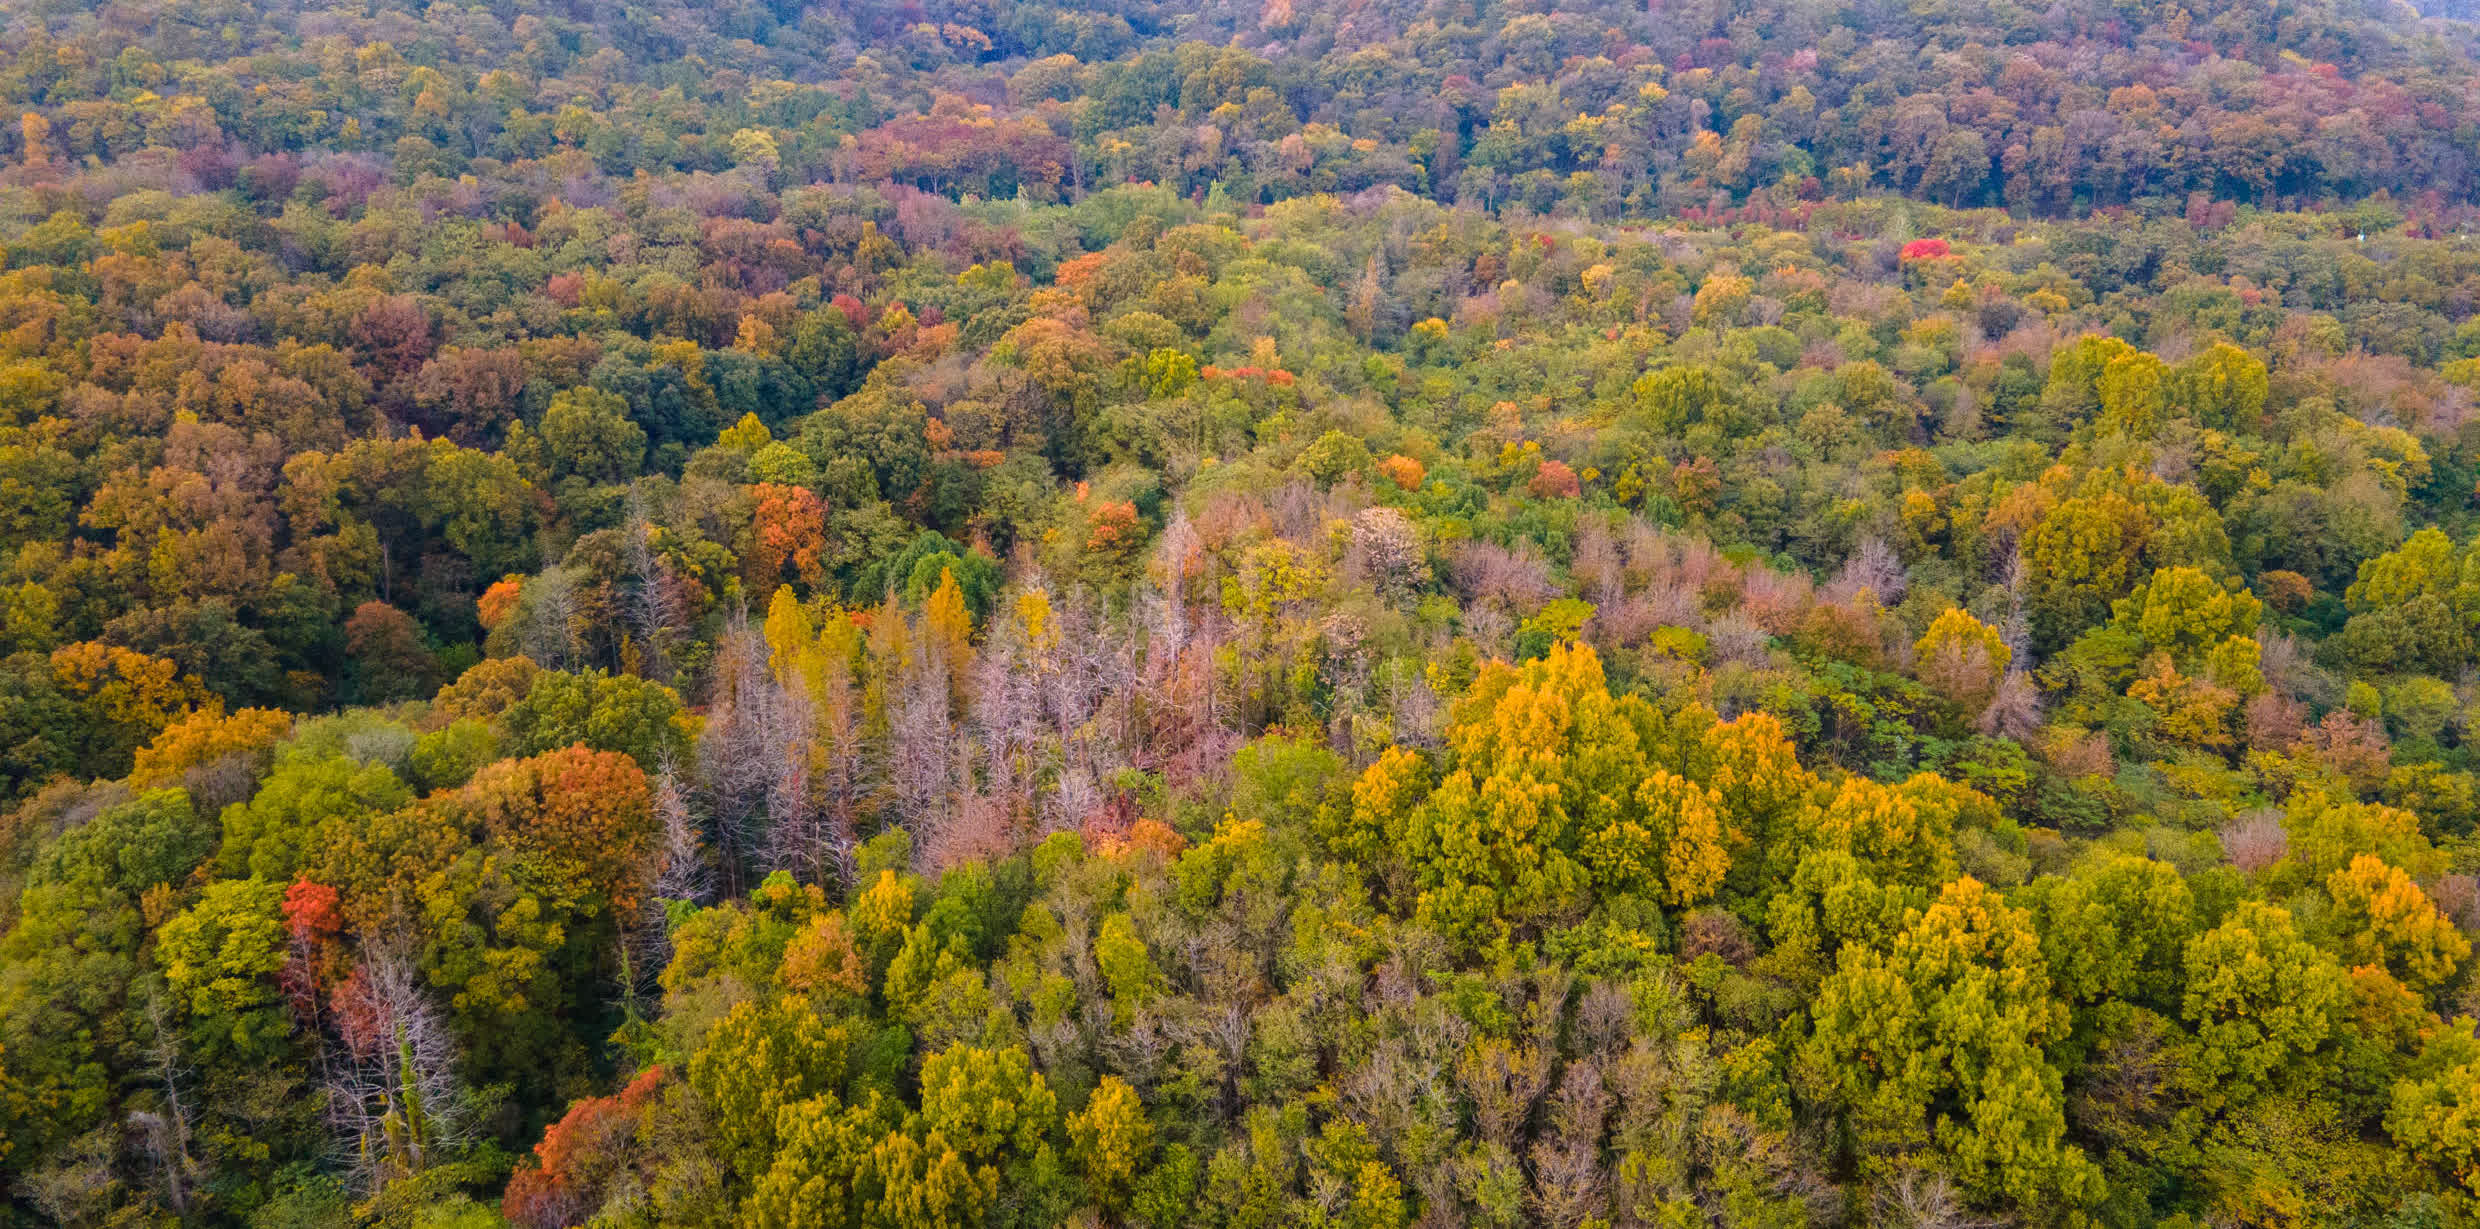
{"x": 1702, "y": 613}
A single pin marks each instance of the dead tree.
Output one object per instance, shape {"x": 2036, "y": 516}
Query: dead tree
{"x": 393, "y": 1100}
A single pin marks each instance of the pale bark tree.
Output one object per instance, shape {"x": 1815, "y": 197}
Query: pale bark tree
{"x": 394, "y": 1104}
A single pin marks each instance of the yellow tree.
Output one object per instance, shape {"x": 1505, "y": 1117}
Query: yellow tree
{"x": 2382, "y": 918}
{"x": 2187, "y": 614}
{"x": 204, "y": 737}
{"x": 1111, "y": 1139}
{"x": 2260, "y": 999}
{"x": 2082, "y": 556}
{"x": 1555, "y": 791}
{"x": 2135, "y": 391}
{"x": 948, "y": 625}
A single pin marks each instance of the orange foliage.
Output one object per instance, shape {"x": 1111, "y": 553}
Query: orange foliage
{"x": 576, "y": 1155}
{"x": 790, "y": 527}
{"x": 204, "y": 737}
{"x": 1406, "y": 473}
{"x": 1115, "y": 530}
{"x": 498, "y": 601}
{"x": 586, "y": 814}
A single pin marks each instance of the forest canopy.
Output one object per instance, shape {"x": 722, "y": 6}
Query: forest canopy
{"x": 1464, "y": 613}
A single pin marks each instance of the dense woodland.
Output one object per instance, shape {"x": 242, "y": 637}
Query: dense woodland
{"x": 1463, "y": 613}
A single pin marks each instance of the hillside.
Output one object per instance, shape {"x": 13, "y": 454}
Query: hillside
{"x": 1302, "y": 613}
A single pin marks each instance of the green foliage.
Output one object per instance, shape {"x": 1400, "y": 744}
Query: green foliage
{"x": 606, "y": 712}
{"x": 220, "y": 957}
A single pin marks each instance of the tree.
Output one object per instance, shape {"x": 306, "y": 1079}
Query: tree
{"x": 204, "y": 737}
{"x": 587, "y": 435}
{"x": 2382, "y": 918}
{"x": 2435, "y": 1121}
{"x": 789, "y": 531}
{"x": 1333, "y": 456}
{"x": 1112, "y": 1140}
{"x": 390, "y": 660}
{"x": 304, "y": 806}
{"x": 2082, "y": 557}
{"x": 471, "y": 394}
{"x": 2116, "y": 930}
{"x": 1962, "y": 659}
{"x": 125, "y": 698}
{"x": 2224, "y": 387}
{"x": 582, "y": 1157}
{"x": 2260, "y": 998}
{"x": 606, "y": 712}
{"x": 2185, "y": 613}
{"x": 1674, "y": 398}
{"x": 2135, "y": 392}
{"x": 760, "y": 1059}
{"x": 392, "y": 1091}
{"x": 985, "y": 1115}
{"x": 825, "y": 1170}
{"x": 220, "y": 956}
{"x": 1934, "y": 1040}
{"x": 582, "y": 817}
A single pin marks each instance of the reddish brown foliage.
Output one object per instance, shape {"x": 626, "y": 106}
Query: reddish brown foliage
{"x": 1554, "y": 480}
{"x": 1115, "y": 532}
{"x": 577, "y": 1156}
{"x": 790, "y": 528}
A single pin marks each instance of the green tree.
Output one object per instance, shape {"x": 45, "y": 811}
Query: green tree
{"x": 607, "y": 712}
{"x": 2261, "y": 1000}
{"x": 220, "y": 957}
{"x": 1934, "y": 1041}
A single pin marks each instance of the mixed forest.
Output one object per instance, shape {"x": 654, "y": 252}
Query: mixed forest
{"x": 1341, "y": 613}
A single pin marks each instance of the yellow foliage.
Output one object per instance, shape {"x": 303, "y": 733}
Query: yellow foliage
{"x": 822, "y": 958}
{"x": 2385, "y": 919}
{"x": 126, "y": 689}
{"x": 204, "y": 737}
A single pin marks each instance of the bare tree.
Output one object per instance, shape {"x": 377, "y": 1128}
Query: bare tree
{"x": 656, "y": 611}
{"x": 1569, "y": 1183}
{"x": 798, "y": 837}
{"x": 2255, "y": 839}
{"x": 740, "y": 754}
{"x": 1502, "y": 1080}
{"x": 1873, "y": 568}
{"x": 1595, "y": 563}
{"x": 550, "y": 620}
{"x": 2015, "y": 628}
{"x": 921, "y": 753}
{"x": 393, "y": 1100}
{"x": 1517, "y": 580}
{"x": 835, "y": 720}
{"x": 1179, "y": 555}
{"x": 165, "y": 1135}
{"x": 1386, "y": 554}
{"x": 680, "y": 870}
{"x": 677, "y": 872}
{"x": 2014, "y": 709}
{"x": 2458, "y": 897}
{"x": 1923, "y": 1199}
